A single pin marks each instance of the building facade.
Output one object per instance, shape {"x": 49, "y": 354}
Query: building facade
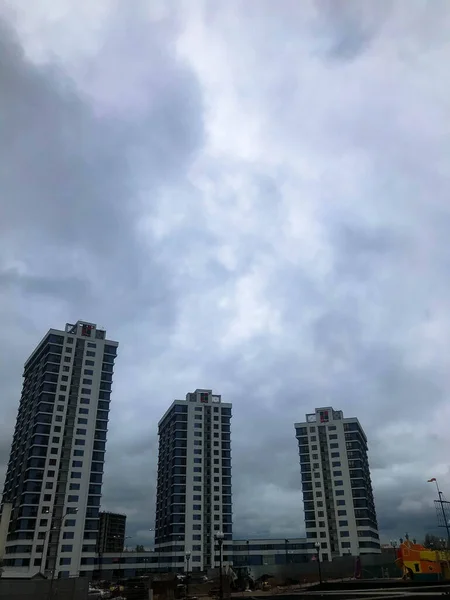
{"x": 337, "y": 491}
{"x": 55, "y": 471}
{"x": 111, "y": 532}
{"x": 194, "y": 482}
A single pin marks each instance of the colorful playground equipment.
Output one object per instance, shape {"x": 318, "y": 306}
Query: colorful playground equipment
{"x": 423, "y": 564}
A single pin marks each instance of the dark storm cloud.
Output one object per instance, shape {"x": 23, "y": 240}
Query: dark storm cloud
{"x": 62, "y": 287}
{"x": 295, "y": 256}
{"x": 350, "y": 26}
{"x": 70, "y": 207}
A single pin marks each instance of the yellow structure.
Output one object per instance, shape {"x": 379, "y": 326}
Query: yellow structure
{"x": 422, "y": 564}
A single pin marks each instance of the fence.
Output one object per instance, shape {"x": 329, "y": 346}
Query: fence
{"x": 343, "y": 567}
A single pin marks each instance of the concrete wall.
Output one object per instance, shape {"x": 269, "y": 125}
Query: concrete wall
{"x": 38, "y": 589}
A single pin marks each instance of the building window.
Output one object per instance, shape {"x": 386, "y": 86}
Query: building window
{"x": 75, "y": 475}
{"x": 314, "y": 447}
{"x": 343, "y": 523}
{"x": 338, "y": 482}
{"x": 69, "y": 523}
{"x": 90, "y": 353}
{"x": 66, "y": 547}
{"x": 77, "y": 463}
{"x": 333, "y": 436}
{"x": 72, "y": 498}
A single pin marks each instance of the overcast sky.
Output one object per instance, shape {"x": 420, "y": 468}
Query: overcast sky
{"x": 250, "y": 196}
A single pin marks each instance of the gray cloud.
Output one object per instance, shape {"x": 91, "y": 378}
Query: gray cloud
{"x": 251, "y": 199}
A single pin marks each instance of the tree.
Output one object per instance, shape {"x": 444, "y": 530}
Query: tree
{"x": 140, "y": 548}
{"x": 431, "y": 541}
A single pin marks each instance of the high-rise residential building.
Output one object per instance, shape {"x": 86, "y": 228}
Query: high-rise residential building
{"x": 194, "y": 482}
{"x": 111, "y": 532}
{"x": 337, "y": 491}
{"x": 55, "y": 470}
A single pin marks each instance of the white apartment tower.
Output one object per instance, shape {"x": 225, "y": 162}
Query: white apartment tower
{"x": 55, "y": 470}
{"x": 337, "y": 491}
{"x": 194, "y": 483}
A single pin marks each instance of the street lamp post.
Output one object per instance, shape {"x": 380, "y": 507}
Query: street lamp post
{"x": 58, "y": 536}
{"x": 127, "y": 537}
{"x": 286, "y": 542}
{"x": 188, "y": 558}
{"x": 318, "y": 562}
{"x": 219, "y": 536}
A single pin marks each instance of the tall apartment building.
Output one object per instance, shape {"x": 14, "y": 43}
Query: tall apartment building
{"x": 337, "y": 490}
{"x": 111, "y": 532}
{"x": 194, "y": 482}
{"x": 55, "y": 470}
